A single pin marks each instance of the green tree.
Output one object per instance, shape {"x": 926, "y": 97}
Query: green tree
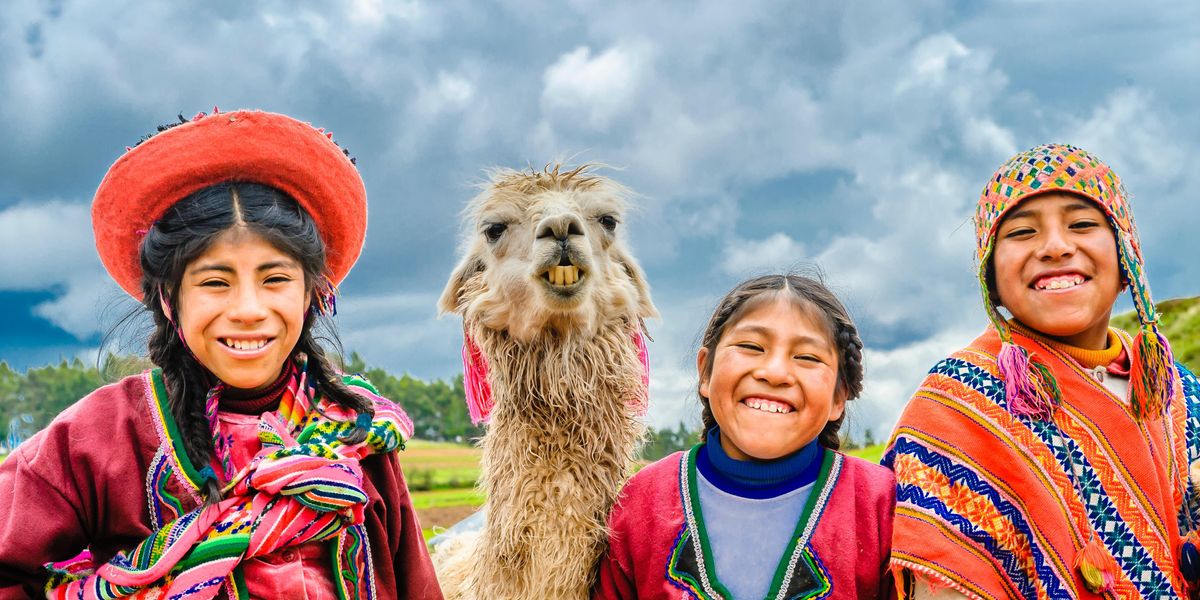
{"x": 662, "y": 442}
{"x": 47, "y": 391}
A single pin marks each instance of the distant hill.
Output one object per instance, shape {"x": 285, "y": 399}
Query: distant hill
{"x": 1179, "y": 320}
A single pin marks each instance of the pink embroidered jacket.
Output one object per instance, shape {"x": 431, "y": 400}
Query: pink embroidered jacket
{"x": 83, "y": 482}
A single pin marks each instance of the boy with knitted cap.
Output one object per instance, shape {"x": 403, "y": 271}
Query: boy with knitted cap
{"x": 1050, "y": 457}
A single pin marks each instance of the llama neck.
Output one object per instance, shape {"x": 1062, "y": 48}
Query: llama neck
{"x": 562, "y": 377}
{"x": 557, "y": 451}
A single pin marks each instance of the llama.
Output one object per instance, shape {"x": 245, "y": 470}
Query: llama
{"x": 554, "y": 302}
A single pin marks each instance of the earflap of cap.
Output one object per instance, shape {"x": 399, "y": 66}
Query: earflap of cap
{"x": 1152, "y": 364}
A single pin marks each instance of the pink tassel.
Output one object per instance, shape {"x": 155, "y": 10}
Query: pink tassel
{"x": 475, "y": 381}
{"x": 1013, "y": 362}
{"x": 641, "y": 403}
{"x": 1021, "y": 389}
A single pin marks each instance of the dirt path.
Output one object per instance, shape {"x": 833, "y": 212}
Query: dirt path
{"x": 443, "y": 516}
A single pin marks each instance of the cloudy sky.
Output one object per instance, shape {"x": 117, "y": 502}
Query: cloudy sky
{"x": 761, "y": 136}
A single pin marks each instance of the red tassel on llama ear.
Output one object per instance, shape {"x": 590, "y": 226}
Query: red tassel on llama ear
{"x": 1029, "y": 388}
{"x": 641, "y": 403}
{"x": 1096, "y": 566}
{"x": 1152, "y": 374}
{"x": 475, "y": 381}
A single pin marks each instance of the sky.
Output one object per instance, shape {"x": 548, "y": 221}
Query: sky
{"x": 853, "y": 137}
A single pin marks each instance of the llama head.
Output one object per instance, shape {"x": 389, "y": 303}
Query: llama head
{"x": 545, "y": 253}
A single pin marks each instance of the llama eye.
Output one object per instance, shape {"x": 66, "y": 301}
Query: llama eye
{"x": 608, "y": 222}
{"x": 494, "y": 230}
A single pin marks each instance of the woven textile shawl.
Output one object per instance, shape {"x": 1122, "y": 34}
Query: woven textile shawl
{"x": 305, "y": 485}
{"x": 997, "y": 505}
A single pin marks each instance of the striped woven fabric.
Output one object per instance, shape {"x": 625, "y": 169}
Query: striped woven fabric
{"x": 999, "y": 506}
{"x": 304, "y": 486}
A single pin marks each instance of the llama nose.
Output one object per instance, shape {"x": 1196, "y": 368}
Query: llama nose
{"x": 559, "y": 227}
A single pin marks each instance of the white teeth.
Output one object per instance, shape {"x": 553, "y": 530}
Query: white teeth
{"x": 766, "y": 406}
{"x": 1059, "y": 284}
{"x": 245, "y": 344}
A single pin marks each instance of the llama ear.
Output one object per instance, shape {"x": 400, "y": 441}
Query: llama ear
{"x": 467, "y": 267}
{"x": 645, "y": 307}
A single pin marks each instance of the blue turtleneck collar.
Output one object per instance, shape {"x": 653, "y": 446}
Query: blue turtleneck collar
{"x": 755, "y": 478}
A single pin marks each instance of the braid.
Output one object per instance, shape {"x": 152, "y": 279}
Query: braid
{"x": 187, "y": 385}
{"x": 850, "y": 349}
{"x": 850, "y": 378}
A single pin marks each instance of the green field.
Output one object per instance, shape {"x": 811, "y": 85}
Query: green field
{"x": 444, "y": 498}
{"x": 870, "y": 453}
{"x": 439, "y": 465}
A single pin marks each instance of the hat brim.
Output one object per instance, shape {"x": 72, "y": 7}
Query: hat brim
{"x": 251, "y": 146}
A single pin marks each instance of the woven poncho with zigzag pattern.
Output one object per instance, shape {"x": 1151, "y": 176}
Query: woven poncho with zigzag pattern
{"x": 999, "y": 506}
{"x": 304, "y": 486}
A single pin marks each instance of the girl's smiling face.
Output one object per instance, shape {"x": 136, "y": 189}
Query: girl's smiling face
{"x": 1055, "y": 268}
{"x": 774, "y": 380}
{"x": 242, "y": 305}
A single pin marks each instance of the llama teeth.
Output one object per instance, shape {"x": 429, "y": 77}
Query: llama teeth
{"x": 563, "y": 276}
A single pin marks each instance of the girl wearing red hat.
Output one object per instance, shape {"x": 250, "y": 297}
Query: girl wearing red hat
{"x": 244, "y": 465}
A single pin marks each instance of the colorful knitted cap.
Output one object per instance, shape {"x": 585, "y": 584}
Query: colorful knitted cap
{"x": 250, "y": 146}
{"x": 1029, "y": 386}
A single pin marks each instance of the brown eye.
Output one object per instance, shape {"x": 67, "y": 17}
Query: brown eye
{"x": 608, "y": 222}
{"x": 493, "y": 231}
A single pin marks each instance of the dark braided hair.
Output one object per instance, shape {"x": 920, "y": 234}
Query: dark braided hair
{"x": 810, "y": 293}
{"x": 183, "y": 233}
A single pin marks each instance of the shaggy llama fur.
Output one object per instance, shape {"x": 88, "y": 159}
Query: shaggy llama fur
{"x": 564, "y": 375}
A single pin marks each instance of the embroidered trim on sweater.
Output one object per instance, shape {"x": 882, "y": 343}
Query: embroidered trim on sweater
{"x": 800, "y": 574}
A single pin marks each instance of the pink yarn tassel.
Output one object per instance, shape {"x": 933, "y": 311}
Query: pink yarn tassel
{"x": 475, "y": 381}
{"x": 1020, "y": 389}
{"x": 641, "y": 403}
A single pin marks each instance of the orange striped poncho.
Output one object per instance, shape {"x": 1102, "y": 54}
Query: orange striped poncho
{"x": 1000, "y": 506}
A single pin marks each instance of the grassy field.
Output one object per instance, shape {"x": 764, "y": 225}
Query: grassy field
{"x": 870, "y": 453}
{"x": 438, "y": 465}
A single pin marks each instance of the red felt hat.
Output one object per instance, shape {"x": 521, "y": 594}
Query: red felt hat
{"x": 261, "y": 147}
